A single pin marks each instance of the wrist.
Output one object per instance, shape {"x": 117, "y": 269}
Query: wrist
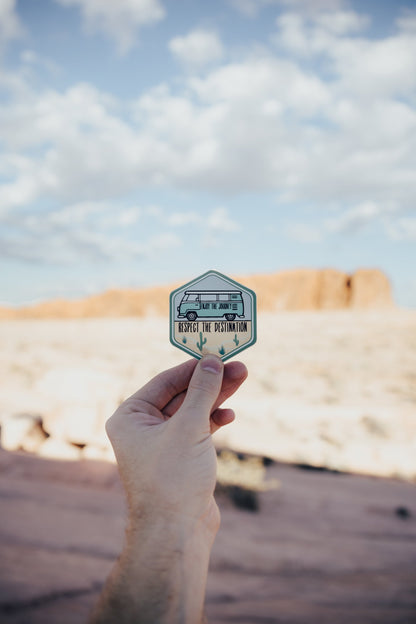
{"x": 167, "y": 522}
{"x": 162, "y": 542}
{"x": 162, "y": 571}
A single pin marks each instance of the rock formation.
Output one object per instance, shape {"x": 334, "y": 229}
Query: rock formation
{"x": 302, "y": 289}
{"x": 370, "y": 289}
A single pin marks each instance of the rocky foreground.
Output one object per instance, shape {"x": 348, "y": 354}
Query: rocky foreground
{"x": 322, "y": 547}
{"x": 333, "y": 389}
{"x": 329, "y": 392}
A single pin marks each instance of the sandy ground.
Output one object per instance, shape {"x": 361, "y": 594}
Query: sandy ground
{"x": 326, "y": 389}
{"x": 331, "y": 389}
{"x": 324, "y": 547}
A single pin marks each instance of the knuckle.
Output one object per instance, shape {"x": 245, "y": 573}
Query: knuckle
{"x": 203, "y": 387}
{"x": 109, "y": 426}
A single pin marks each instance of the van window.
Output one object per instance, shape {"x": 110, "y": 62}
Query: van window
{"x": 235, "y": 296}
{"x": 224, "y": 297}
{"x": 191, "y": 297}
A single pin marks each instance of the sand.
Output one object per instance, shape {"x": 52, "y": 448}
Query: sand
{"x": 334, "y": 389}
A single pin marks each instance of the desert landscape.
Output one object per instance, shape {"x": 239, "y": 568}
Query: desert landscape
{"x": 318, "y": 513}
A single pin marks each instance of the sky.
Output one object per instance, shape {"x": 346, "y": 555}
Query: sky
{"x": 144, "y": 142}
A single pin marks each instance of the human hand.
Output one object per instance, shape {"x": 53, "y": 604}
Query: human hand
{"x": 162, "y": 440}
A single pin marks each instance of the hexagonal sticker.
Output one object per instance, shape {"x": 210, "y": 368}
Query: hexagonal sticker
{"x": 213, "y": 314}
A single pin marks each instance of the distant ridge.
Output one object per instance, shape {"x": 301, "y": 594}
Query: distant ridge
{"x": 300, "y": 289}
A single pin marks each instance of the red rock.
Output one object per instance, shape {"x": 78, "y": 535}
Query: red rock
{"x": 301, "y": 289}
{"x": 323, "y": 548}
{"x": 370, "y": 289}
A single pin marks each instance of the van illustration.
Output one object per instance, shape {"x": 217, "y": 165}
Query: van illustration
{"x": 211, "y": 304}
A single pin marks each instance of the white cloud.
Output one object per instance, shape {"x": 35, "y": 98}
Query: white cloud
{"x": 264, "y": 123}
{"x": 403, "y": 229}
{"x": 163, "y": 242}
{"x": 198, "y": 48}
{"x": 220, "y": 221}
{"x": 216, "y": 224}
{"x": 79, "y": 142}
{"x": 103, "y": 231}
{"x": 361, "y": 66}
{"x": 86, "y": 231}
{"x": 129, "y": 216}
{"x": 32, "y": 59}
{"x": 178, "y": 219}
{"x": 10, "y": 26}
{"x": 251, "y": 83}
{"x": 318, "y": 32}
{"x": 71, "y": 215}
{"x": 303, "y": 232}
{"x": 120, "y": 20}
{"x": 355, "y": 218}
{"x": 251, "y": 8}
{"x": 407, "y": 21}
{"x": 341, "y": 22}
{"x": 312, "y": 7}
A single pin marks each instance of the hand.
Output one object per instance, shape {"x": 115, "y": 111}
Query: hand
{"x": 162, "y": 439}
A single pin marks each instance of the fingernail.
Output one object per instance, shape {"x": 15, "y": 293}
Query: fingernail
{"x": 212, "y": 364}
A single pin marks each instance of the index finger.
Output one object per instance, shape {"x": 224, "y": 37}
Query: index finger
{"x": 160, "y": 390}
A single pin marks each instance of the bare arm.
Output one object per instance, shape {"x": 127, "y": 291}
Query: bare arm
{"x": 162, "y": 441}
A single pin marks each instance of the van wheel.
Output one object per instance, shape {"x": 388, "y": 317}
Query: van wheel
{"x": 230, "y": 317}
{"x": 191, "y": 316}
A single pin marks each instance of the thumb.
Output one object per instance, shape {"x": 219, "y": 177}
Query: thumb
{"x": 203, "y": 390}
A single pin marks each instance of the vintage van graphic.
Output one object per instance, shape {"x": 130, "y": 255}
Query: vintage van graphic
{"x": 211, "y": 304}
{"x": 212, "y": 314}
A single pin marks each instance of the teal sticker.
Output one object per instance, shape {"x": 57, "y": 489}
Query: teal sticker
{"x": 213, "y": 314}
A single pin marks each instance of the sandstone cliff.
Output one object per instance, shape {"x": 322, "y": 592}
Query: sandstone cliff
{"x": 303, "y": 289}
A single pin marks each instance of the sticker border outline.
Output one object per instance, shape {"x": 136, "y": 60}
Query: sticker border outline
{"x": 250, "y": 292}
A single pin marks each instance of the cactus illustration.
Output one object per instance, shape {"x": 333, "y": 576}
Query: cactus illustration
{"x": 221, "y": 350}
{"x": 184, "y": 340}
{"x": 201, "y": 342}
{"x": 236, "y": 340}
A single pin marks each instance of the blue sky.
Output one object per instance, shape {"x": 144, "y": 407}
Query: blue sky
{"x": 146, "y": 141}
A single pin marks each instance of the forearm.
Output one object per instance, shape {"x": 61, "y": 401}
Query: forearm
{"x": 160, "y": 577}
